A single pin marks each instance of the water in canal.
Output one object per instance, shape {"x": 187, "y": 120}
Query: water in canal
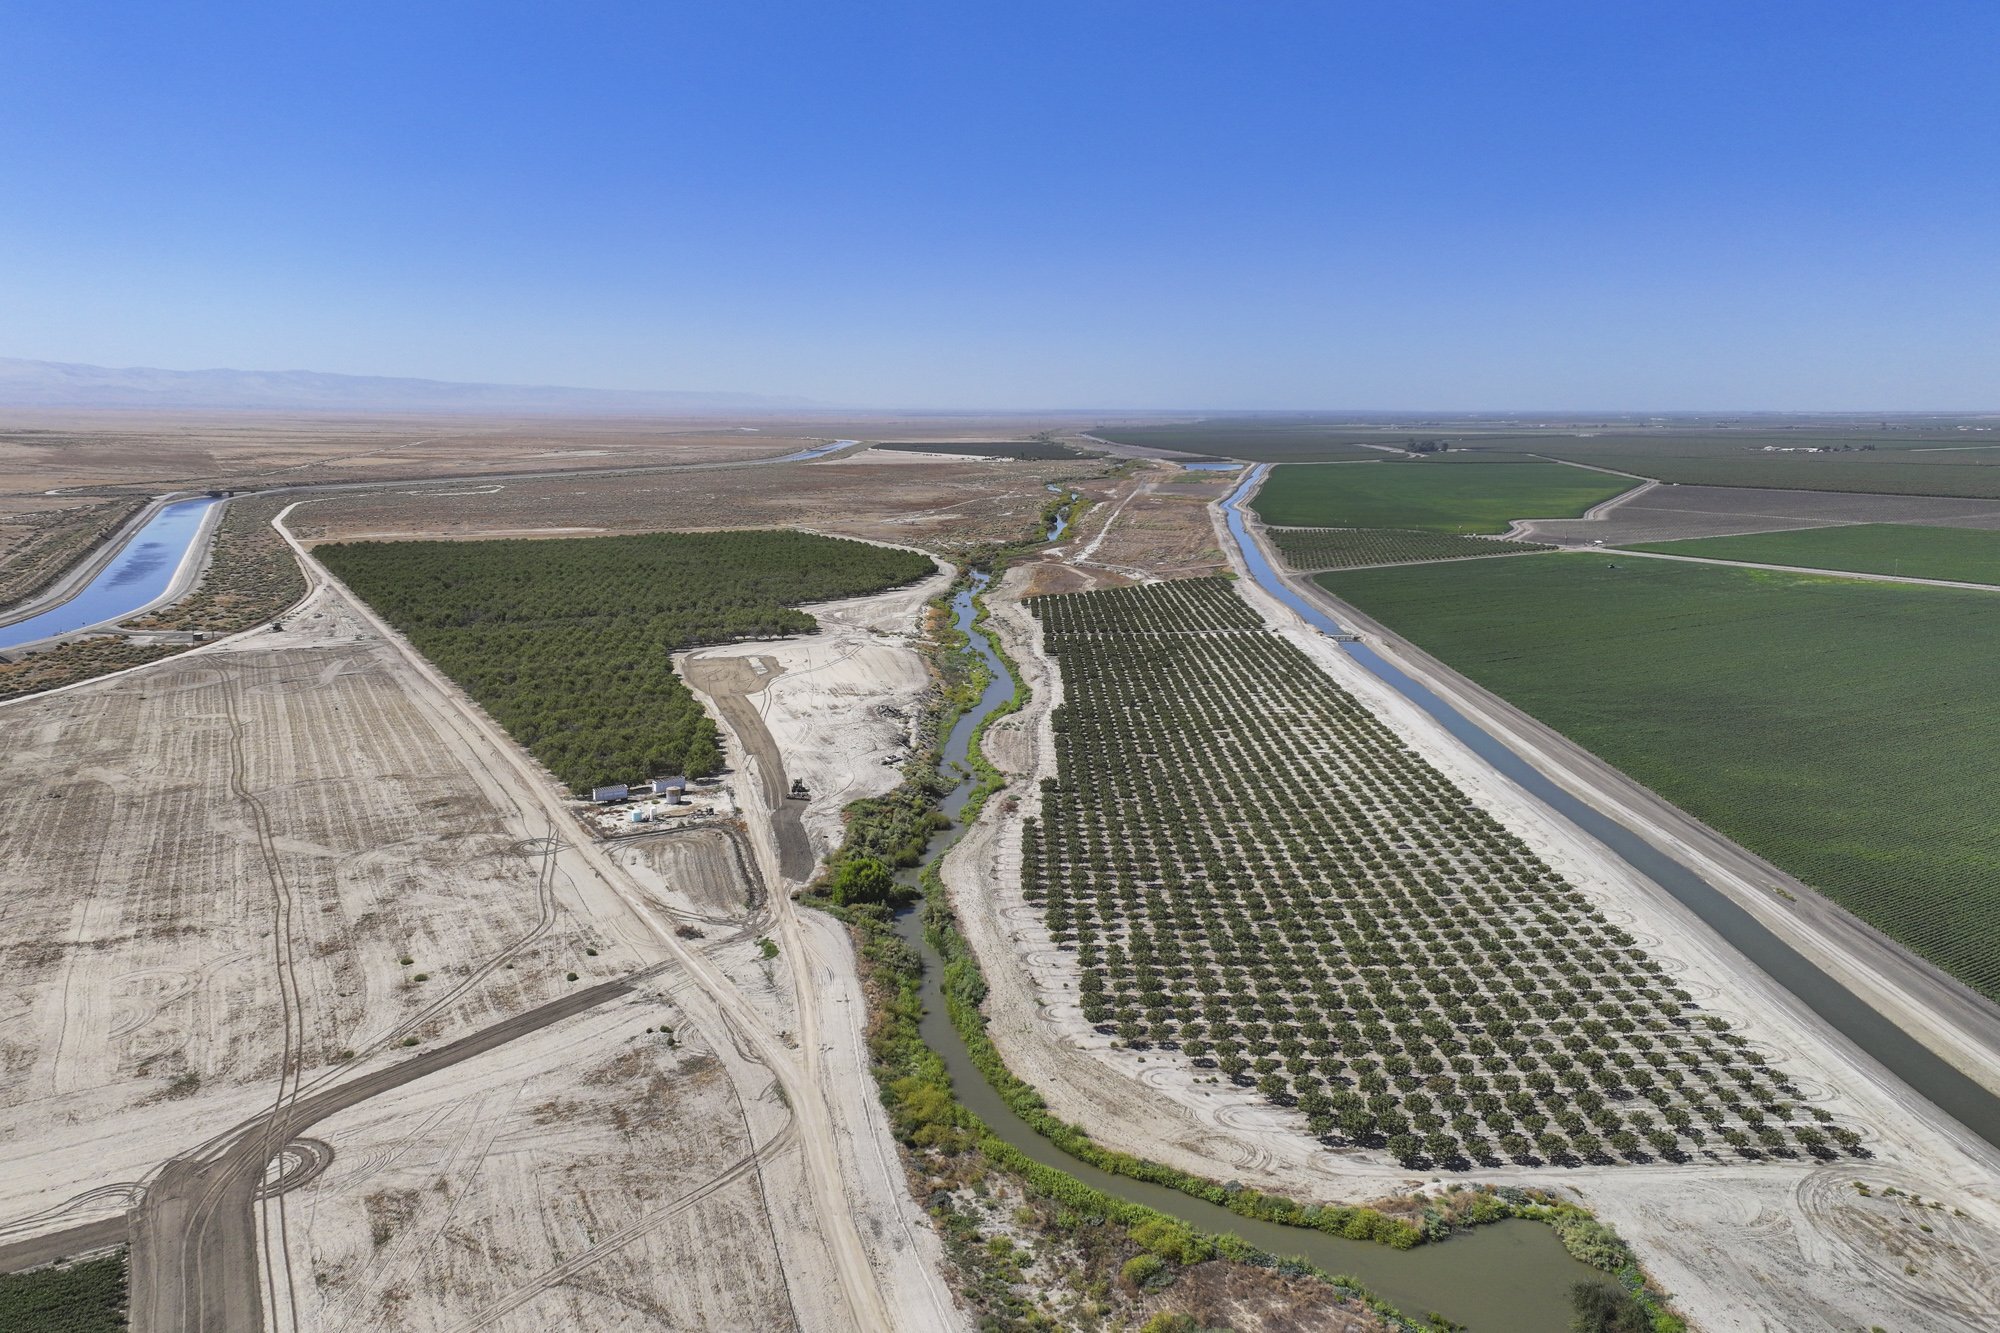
{"x": 1059, "y": 524}
{"x": 815, "y": 451}
{"x": 1509, "y": 1277}
{"x": 140, "y": 573}
{"x": 1971, "y": 1104}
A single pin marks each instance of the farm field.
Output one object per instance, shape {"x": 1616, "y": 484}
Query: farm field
{"x": 1340, "y": 927}
{"x": 1673, "y": 513}
{"x": 1258, "y": 442}
{"x": 1467, "y": 499}
{"x": 1965, "y": 555}
{"x": 1841, "y": 729}
{"x": 567, "y": 642}
{"x": 1939, "y": 462}
{"x": 1345, "y": 548}
{"x": 84, "y": 1297}
{"x": 163, "y": 450}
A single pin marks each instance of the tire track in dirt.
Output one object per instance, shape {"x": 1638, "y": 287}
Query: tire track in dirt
{"x": 738, "y": 1170}
{"x": 291, "y": 1004}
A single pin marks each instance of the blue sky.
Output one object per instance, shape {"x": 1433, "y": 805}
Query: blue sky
{"x": 1400, "y": 204}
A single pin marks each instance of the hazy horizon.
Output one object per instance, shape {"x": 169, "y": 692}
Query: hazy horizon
{"x": 1114, "y": 207}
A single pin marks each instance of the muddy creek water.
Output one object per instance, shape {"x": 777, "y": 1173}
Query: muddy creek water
{"x": 1967, "y": 1101}
{"x": 1060, "y": 523}
{"x": 1510, "y": 1277}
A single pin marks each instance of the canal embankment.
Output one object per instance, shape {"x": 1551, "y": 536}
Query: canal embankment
{"x": 158, "y": 561}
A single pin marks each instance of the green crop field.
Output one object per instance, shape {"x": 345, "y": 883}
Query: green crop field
{"x": 1347, "y": 548}
{"x": 1257, "y": 441}
{"x": 86, "y": 1297}
{"x": 1966, "y": 555}
{"x": 568, "y": 643}
{"x": 1844, "y": 730}
{"x": 1260, "y": 879}
{"x": 1423, "y": 495}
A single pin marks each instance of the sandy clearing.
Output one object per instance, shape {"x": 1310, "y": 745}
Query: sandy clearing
{"x": 841, "y": 703}
{"x": 141, "y": 978}
{"x": 1683, "y": 1218}
{"x": 822, "y": 707}
{"x": 595, "y": 1176}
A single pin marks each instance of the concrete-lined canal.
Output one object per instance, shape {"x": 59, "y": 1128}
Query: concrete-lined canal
{"x": 1508, "y": 1277}
{"x": 142, "y": 572}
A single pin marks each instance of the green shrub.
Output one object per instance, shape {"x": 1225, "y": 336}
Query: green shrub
{"x": 865, "y": 879}
{"x": 1590, "y": 1240}
{"x": 1597, "y": 1308}
{"x": 1143, "y": 1270}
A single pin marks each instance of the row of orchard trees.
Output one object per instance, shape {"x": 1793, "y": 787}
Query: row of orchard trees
{"x": 1254, "y": 872}
{"x": 568, "y": 643}
{"x": 1352, "y": 548}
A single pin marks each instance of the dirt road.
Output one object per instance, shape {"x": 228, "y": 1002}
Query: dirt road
{"x": 730, "y": 681}
{"x": 194, "y": 1237}
{"x": 1801, "y": 569}
{"x": 53, "y": 1246}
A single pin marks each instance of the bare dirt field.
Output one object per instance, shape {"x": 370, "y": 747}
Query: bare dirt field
{"x": 838, "y": 705}
{"x": 103, "y": 449}
{"x": 123, "y": 450}
{"x": 1667, "y": 513}
{"x": 1763, "y": 1247}
{"x": 938, "y": 504}
{"x": 601, "y": 1176}
{"x": 215, "y": 871}
{"x": 1150, "y": 521}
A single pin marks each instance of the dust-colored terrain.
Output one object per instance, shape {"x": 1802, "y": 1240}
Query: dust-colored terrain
{"x": 1151, "y": 521}
{"x": 213, "y": 872}
{"x": 939, "y": 504}
{"x": 162, "y": 451}
{"x": 215, "y": 866}
{"x": 42, "y": 449}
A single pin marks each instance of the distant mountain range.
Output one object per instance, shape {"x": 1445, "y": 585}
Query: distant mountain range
{"x": 67, "y": 384}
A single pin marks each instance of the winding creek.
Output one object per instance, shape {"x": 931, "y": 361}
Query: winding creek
{"x": 1959, "y": 1096}
{"x": 1509, "y": 1277}
{"x": 141, "y": 573}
